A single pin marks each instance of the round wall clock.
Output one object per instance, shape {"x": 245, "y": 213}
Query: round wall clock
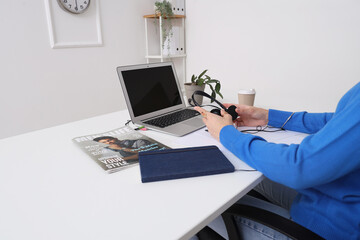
{"x": 74, "y": 6}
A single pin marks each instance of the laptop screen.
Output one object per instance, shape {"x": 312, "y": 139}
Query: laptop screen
{"x": 151, "y": 89}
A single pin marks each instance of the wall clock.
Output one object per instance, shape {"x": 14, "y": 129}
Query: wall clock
{"x": 74, "y": 6}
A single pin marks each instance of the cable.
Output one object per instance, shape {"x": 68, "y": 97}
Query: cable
{"x": 261, "y": 129}
{"x": 136, "y": 128}
{"x": 282, "y": 127}
{"x": 128, "y": 121}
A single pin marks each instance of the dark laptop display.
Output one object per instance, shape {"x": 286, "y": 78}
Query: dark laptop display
{"x": 151, "y": 89}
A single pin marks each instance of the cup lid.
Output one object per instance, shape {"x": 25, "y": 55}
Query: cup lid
{"x": 247, "y": 91}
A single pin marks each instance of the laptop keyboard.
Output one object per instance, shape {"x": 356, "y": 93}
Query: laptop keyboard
{"x": 173, "y": 118}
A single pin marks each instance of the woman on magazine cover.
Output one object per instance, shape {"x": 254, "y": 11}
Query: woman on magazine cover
{"x": 127, "y": 148}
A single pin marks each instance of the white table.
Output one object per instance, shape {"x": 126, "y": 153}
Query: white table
{"x": 50, "y": 189}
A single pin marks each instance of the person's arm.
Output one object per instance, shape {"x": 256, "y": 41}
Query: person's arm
{"x": 321, "y": 158}
{"x": 299, "y": 121}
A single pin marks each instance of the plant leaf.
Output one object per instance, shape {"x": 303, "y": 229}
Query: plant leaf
{"x": 202, "y": 74}
{"x": 193, "y": 78}
{"x": 211, "y": 87}
{"x": 200, "y": 82}
{"x": 212, "y": 81}
{"x": 213, "y": 94}
{"x": 217, "y": 87}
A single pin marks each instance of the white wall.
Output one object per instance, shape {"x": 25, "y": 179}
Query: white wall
{"x": 298, "y": 55}
{"x": 43, "y": 87}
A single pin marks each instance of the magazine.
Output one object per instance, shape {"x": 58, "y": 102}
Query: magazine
{"x": 117, "y": 149}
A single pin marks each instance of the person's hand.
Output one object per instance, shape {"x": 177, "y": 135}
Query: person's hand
{"x": 214, "y": 122}
{"x": 250, "y": 116}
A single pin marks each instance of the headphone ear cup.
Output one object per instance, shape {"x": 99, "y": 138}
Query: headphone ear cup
{"x": 216, "y": 111}
{"x": 232, "y": 112}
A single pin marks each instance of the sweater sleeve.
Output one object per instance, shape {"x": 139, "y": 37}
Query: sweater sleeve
{"x": 300, "y": 122}
{"x": 331, "y": 153}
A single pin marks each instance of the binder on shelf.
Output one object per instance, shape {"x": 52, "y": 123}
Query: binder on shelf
{"x": 173, "y": 6}
{"x": 178, "y": 7}
{"x": 183, "y": 163}
{"x": 181, "y": 49}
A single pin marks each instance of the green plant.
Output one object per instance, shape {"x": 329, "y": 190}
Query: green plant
{"x": 164, "y": 9}
{"x": 205, "y": 79}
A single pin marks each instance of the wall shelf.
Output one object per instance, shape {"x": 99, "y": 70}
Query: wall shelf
{"x": 162, "y": 49}
{"x": 158, "y": 15}
{"x": 165, "y": 56}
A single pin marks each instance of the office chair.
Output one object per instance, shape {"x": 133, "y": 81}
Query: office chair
{"x": 282, "y": 225}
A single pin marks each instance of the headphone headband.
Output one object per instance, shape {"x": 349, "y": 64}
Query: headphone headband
{"x": 230, "y": 110}
{"x": 202, "y": 93}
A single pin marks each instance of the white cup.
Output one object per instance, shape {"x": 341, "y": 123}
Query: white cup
{"x": 246, "y": 96}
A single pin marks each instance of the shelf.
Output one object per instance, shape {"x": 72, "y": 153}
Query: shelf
{"x": 158, "y": 15}
{"x": 165, "y": 56}
{"x": 171, "y": 47}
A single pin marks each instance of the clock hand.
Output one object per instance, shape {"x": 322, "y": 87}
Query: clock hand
{"x": 76, "y": 3}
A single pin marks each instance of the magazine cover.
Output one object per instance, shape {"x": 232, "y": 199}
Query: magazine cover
{"x": 117, "y": 149}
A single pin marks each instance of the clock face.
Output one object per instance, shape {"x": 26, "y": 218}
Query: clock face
{"x": 74, "y": 6}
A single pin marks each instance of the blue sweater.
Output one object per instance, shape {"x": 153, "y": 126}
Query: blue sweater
{"x": 324, "y": 167}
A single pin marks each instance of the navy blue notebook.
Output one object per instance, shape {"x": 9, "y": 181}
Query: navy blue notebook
{"x": 169, "y": 164}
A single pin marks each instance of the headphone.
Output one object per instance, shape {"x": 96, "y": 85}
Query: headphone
{"x": 216, "y": 110}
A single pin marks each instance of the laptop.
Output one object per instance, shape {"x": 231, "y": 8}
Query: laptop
{"x": 155, "y": 100}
